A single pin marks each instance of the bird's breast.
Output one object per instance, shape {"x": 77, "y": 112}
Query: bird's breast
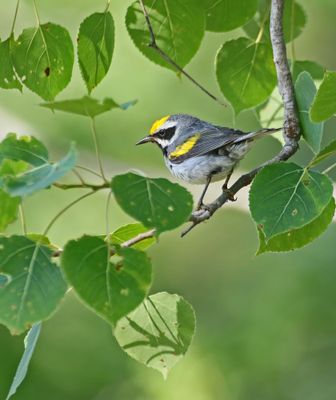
{"x": 196, "y": 170}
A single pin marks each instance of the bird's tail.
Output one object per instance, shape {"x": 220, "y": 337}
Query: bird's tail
{"x": 257, "y": 134}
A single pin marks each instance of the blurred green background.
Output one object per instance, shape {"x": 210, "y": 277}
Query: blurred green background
{"x": 266, "y": 326}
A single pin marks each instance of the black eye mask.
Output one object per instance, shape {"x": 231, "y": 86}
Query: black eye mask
{"x": 166, "y": 134}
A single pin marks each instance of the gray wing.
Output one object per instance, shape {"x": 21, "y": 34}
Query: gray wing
{"x": 209, "y": 140}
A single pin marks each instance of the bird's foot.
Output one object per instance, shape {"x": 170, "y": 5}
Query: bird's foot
{"x": 230, "y": 195}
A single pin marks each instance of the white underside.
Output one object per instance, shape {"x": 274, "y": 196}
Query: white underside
{"x": 198, "y": 169}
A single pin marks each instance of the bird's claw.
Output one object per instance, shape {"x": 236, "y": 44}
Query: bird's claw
{"x": 230, "y": 195}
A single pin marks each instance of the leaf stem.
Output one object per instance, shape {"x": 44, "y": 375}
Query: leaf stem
{"x": 96, "y": 145}
{"x": 275, "y": 113}
{"x": 262, "y": 25}
{"x": 15, "y": 16}
{"x": 153, "y": 44}
{"x": 36, "y": 13}
{"x": 327, "y": 170}
{"x": 107, "y": 6}
{"x": 93, "y": 172}
{"x": 23, "y": 219}
{"x": 66, "y": 208}
{"x": 79, "y": 176}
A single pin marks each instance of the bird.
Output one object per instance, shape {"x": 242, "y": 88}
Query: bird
{"x": 199, "y": 152}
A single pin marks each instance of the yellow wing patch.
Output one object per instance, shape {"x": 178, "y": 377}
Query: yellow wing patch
{"x": 157, "y": 124}
{"x": 185, "y": 147}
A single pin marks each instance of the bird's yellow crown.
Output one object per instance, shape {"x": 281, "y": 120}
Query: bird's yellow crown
{"x": 157, "y": 124}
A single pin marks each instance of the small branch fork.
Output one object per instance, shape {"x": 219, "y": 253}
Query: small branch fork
{"x": 153, "y": 44}
{"x": 291, "y": 121}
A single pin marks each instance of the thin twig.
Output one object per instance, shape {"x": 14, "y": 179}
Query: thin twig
{"x": 291, "y": 122}
{"x": 65, "y": 186}
{"x": 66, "y": 208}
{"x": 153, "y": 44}
{"x": 139, "y": 238}
{"x": 128, "y": 243}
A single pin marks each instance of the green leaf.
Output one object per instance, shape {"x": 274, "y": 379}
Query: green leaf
{"x": 159, "y": 332}
{"x": 8, "y": 79}
{"x": 43, "y": 59}
{"x": 8, "y": 209}
{"x": 29, "y": 344}
{"x": 130, "y": 231}
{"x": 315, "y": 70}
{"x": 111, "y": 289}
{"x": 324, "y": 106}
{"x": 285, "y": 197}
{"x": 179, "y": 27}
{"x": 305, "y": 91}
{"x": 328, "y": 151}
{"x": 24, "y": 148}
{"x": 40, "y": 177}
{"x": 157, "y": 203}
{"x": 34, "y": 285}
{"x": 297, "y": 238}
{"x": 225, "y": 15}
{"x": 245, "y": 73}
{"x": 294, "y": 20}
{"x": 9, "y": 205}
{"x": 95, "y": 47}
{"x": 87, "y": 106}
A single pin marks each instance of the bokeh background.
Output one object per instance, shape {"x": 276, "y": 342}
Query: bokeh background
{"x": 266, "y": 325}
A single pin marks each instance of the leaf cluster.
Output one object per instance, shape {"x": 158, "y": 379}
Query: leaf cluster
{"x": 112, "y": 273}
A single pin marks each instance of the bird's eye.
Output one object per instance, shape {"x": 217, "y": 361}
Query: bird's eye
{"x": 161, "y": 134}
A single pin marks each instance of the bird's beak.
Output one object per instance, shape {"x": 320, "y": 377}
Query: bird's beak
{"x": 145, "y": 140}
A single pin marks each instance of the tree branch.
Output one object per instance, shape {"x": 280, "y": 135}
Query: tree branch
{"x": 291, "y": 121}
{"x": 153, "y": 44}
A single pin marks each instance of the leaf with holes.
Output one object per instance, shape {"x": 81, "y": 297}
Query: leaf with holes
{"x": 324, "y": 106}
{"x": 8, "y": 79}
{"x": 111, "y": 288}
{"x": 305, "y": 91}
{"x": 40, "y": 177}
{"x": 43, "y": 59}
{"x": 157, "y": 203}
{"x": 130, "y": 231}
{"x": 32, "y": 285}
{"x": 328, "y": 151}
{"x": 95, "y": 47}
{"x": 179, "y": 28}
{"x": 225, "y": 15}
{"x": 285, "y": 196}
{"x": 159, "y": 332}
{"x": 297, "y": 238}
{"x": 87, "y": 106}
{"x": 24, "y": 148}
{"x": 245, "y": 73}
